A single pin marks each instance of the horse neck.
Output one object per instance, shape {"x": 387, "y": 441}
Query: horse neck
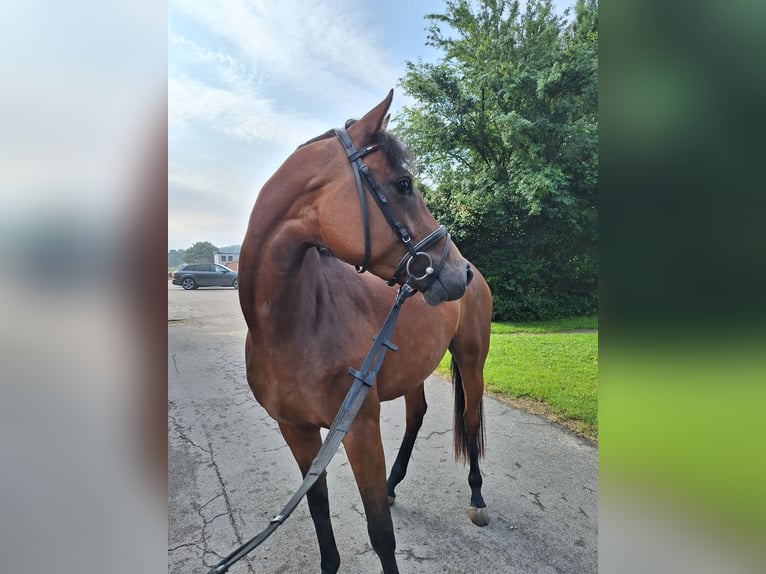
{"x": 271, "y": 271}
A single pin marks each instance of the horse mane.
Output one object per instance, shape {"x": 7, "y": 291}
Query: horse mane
{"x": 396, "y": 152}
{"x": 324, "y": 136}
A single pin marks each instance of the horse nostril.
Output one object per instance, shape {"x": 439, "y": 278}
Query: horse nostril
{"x": 468, "y": 275}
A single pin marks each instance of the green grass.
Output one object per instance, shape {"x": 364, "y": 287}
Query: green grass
{"x": 554, "y": 325}
{"x": 539, "y": 362}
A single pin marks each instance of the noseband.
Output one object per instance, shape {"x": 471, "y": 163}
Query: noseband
{"x": 415, "y": 253}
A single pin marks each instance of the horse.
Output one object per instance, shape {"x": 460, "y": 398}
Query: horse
{"x": 311, "y": 315}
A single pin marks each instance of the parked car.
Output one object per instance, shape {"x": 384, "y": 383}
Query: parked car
{"x": 193, "y": 275}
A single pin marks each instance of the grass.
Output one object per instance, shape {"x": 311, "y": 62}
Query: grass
{"x": 555, "y": 325}
{"x": 550, "y": 365}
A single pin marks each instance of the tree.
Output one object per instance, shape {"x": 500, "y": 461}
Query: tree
{"x": 230, "y": 249}
{"x": 505, "y": 130}
{"x": 201, "y": 252}
{"x": 176, "y": 257}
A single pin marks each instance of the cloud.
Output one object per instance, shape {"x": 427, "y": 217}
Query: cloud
{"x": 301, "y": 45}
{"x": 207, "y": 203}
{"x": 229, "y": 92}
{"x": 234, "y": 109}
{"x": 248, "y": 82}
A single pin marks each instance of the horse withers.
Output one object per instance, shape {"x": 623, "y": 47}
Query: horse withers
{"x": 311, "y": 315}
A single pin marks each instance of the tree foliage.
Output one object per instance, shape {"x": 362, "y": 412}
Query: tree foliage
{"x": 176, "y": 257}
{"x": 505, "y": 129}
{"x": 201, "y": 252}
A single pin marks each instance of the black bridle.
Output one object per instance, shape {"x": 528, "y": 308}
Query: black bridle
{"x": 415, "y": 253}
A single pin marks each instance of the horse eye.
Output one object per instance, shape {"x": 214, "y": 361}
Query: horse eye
{"x": 404, "y": 186}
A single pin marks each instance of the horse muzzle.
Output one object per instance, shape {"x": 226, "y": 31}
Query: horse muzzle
{"x": 442, "y": 279}
{"x": 450, "y": 284}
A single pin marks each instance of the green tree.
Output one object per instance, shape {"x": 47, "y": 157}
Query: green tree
{"x": 505, "y": 129}
{"x": 201, "y": 252}
{"x": 176, "y": 257}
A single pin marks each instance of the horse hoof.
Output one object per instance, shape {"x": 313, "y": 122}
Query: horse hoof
{"x": 391, "y": 500}
{"x": 479, "y": 516}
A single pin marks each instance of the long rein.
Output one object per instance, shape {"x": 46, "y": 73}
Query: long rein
{"x": 364, "y": 378}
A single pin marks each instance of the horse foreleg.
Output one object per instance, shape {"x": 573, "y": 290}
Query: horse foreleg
{"x": 415, "y": 402}
{"x": 365, "y": 453}
{"x": 304, "y": 442}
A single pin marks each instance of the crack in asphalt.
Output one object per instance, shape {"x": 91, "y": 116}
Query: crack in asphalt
{"x": 409, "y": 554}
{"x": 227, "y": 501}
{"x": 275, "y": 449}
{"x": 217, "y": 496}
{"x": 355, "y": 509}
{"x": 202, "y": 544}
{"x": 537, "y": 500}
{"x": 438, "y": 433}
{"x": 367, "y": 550}
{"x": 184, "y": 545}
{"x": 182, "y": 434}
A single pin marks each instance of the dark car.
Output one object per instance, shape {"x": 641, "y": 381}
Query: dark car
{"x": 193, "y": 275}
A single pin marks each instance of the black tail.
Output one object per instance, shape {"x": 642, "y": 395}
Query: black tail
{"x": 461, "y": 437}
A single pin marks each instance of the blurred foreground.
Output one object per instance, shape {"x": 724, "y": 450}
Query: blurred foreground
{"x": 82, "y": 176}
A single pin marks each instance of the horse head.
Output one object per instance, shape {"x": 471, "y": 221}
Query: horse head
{"x": 394, "y": 236}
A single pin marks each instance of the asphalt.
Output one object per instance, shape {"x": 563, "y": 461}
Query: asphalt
{"x": 229, "y": 472}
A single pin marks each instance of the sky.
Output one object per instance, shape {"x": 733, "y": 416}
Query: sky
{"x": 249, "y": 81}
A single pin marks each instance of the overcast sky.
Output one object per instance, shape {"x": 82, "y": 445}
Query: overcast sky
{"x": 248, "y": 81}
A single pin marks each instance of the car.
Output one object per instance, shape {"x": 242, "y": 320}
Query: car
{"x": 194, "y": 275}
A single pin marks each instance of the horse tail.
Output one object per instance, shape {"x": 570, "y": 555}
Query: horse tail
{"x": 462, "y": 440}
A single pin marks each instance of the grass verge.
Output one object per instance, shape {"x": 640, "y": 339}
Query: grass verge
{"x": 547, "y": 367}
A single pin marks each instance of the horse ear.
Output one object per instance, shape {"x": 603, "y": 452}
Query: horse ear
{"x": 384, "y": 127}
{"x": 375, "y": 120}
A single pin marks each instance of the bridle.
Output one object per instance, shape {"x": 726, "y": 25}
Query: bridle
{"x": 415, "y": 253}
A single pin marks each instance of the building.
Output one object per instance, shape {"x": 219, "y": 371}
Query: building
{"x": 230, "y": 260}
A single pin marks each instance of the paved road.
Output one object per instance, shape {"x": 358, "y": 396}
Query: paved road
{"x": 230, "y": 471}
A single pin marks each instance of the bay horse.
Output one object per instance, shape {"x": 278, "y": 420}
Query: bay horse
{"x": 310, "y": 316}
